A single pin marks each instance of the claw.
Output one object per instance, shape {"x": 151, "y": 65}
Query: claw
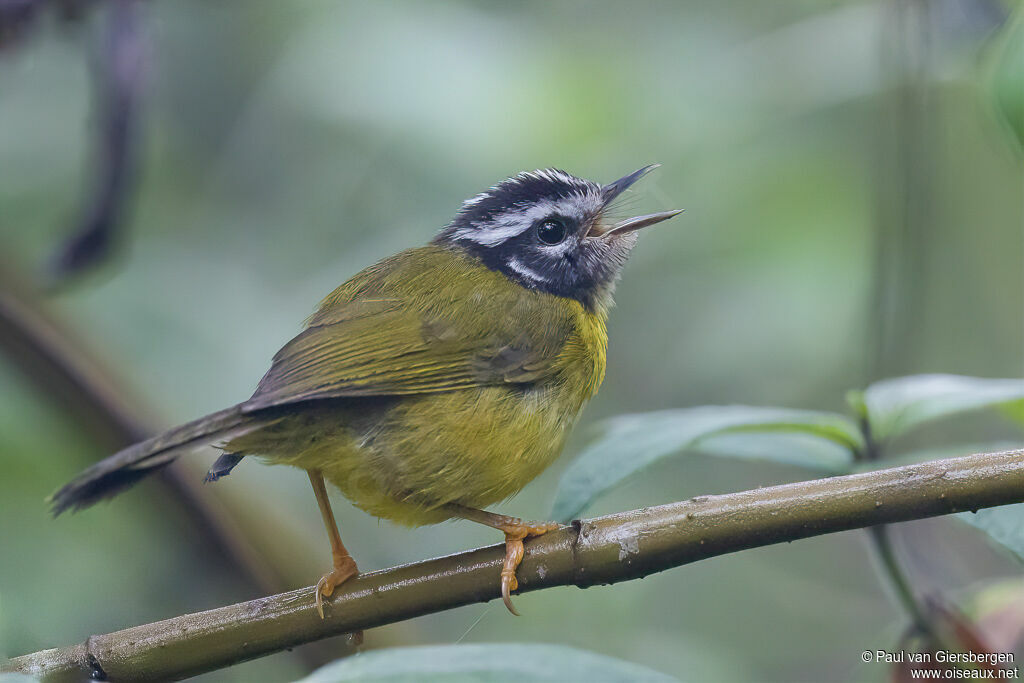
{"x": 344, "y": 569}
{"x": 513, "y": 556}
{"x": 514, "y": 550}
{"x": 321, "y": 590}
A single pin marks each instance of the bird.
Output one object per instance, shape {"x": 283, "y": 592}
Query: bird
{"x": 436, "y": 382}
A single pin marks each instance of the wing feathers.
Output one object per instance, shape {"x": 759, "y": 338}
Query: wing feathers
{"x": 386, "y": 340}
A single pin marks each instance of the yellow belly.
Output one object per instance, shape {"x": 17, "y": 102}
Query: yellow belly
{"x": 401, "y": 459}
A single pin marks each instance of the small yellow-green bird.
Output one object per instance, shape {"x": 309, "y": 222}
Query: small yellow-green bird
{"x": 438, "y": 381}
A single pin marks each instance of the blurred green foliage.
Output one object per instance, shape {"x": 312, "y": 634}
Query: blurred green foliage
{"x": 288, "y": 145}
{"x": 1008, "y": 76}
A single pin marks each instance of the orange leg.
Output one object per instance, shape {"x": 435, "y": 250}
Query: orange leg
{"x": 344, "y": 566}
{"x": 515, "y": 531}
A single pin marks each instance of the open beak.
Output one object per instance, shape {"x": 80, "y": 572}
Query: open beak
{"x": 612, "y": 191}
{"x": 637, "y": 222}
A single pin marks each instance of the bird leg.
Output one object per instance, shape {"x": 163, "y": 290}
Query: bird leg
{"x": 344, "y": 566}
{"x": 515, "y": 531}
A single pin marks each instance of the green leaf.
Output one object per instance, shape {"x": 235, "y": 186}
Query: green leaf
{"x": 514, "y": 663}
{"x": 631, "y": 443}
{"x": 1004, "y": 525}
{"x": 895, "y": 406}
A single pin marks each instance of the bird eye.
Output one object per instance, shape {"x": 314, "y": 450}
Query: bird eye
{"x": 551, "y": 231}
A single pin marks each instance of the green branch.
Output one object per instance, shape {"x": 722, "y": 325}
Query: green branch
{"x": 605, "y": 550}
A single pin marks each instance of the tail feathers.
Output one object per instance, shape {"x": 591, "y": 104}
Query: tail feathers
{"x": 126, "y": 467}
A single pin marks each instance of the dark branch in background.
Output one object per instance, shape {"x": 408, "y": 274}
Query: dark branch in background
{"x": 17, "y": 17}
{"x": 620, "y": 547}
{"x": 117, "y": 85}
{"x": 53, "y": 360}
{"x": 49, "y": 356}
{"x": 903, "y": 193}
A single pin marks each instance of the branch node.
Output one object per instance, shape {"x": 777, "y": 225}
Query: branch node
{"x": 96, "y": 671}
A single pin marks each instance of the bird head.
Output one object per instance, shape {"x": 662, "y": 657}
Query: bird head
{"x": 549, "y": 230}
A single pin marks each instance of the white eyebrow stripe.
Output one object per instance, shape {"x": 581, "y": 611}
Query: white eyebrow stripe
{"x": 515, "y": 222}
{"x": 490, "y": 237}
{"x": 524, "y": 270}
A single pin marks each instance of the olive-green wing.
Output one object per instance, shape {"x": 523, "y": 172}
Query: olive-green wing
{"x": 387, "y": 347}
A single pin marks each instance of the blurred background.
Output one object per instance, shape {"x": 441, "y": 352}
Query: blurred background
{"x": 181, "y": 182}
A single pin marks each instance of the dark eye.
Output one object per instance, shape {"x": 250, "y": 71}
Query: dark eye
{"x": 551, "y": 231}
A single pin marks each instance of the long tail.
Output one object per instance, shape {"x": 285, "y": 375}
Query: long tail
{"x": 112, "y": 475}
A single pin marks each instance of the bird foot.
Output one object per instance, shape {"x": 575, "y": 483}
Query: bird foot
{"x": 515, "y": 531}
{"x": 344, "y": 569}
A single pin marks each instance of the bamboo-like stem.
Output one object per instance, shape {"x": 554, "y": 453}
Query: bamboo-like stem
{"x": 605, "y": 550}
